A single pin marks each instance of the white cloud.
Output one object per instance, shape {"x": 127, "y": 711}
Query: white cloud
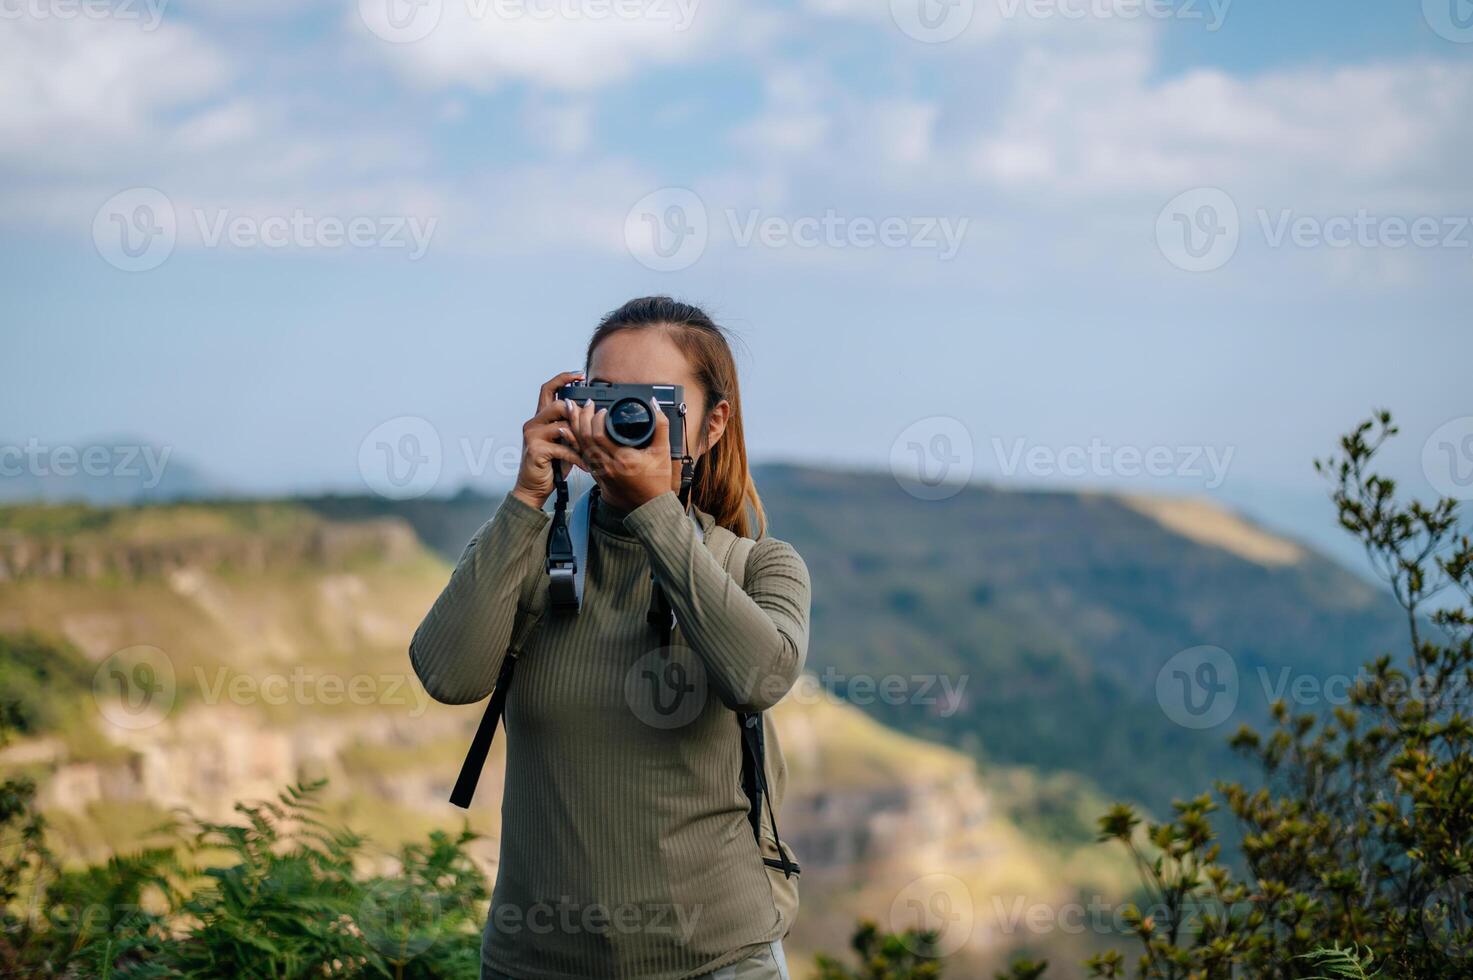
{"x": 565, "y": 45}
{"x": 1104, "y": 125}
{"x": 79, "y": 89}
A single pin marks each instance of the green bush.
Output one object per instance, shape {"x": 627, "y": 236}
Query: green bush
{"x": 276, "y": 894}
{"x": 1360, "y": 835}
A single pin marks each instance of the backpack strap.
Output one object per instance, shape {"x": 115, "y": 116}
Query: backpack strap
{"x": 753, "y": 726}
{"x": 527, "y": 621}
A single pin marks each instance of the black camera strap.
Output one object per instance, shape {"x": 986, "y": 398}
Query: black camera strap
{"x": 562, "y": 560}
{"x": 564, "y": 594}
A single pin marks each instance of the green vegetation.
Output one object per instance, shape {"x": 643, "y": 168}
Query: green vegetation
{"x": 278, "y": 894}
{"x": 155, "y": 522}
{"x": 1358, "y": 839}
{"x": 44, "y": 681}
{"x": 48, "y": 685}
{"x": 1350, "y": 964}
{"x": 885, "y": 956}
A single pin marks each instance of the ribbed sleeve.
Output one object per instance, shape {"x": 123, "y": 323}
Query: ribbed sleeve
{"x": 752, "y": 642}
{"x": 458, "y": 648}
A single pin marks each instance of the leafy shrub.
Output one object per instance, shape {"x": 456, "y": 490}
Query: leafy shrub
{"x": 276, "y": 894}
{"x": 885, "y": 956}
{"x": 1362, "y": 831}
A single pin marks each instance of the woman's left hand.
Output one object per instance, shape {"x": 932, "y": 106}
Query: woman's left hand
{"x": 627, "y": 477}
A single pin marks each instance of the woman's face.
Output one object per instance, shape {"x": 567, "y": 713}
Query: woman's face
{"x": 648, "y": 356}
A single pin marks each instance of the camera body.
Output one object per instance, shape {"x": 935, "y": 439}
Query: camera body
{"x": 630, "y": 421}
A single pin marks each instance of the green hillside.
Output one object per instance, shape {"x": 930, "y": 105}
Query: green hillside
{"x": 1056, "y": 610}
{"x": 276, "y": 638}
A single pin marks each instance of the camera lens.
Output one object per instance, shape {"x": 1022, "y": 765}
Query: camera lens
{"x": 630, "y": 422}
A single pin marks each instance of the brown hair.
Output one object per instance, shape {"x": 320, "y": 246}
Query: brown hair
{"x": 723, "y": 484}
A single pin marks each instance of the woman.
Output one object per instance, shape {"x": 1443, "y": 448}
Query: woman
{"x": 625, "y": 844}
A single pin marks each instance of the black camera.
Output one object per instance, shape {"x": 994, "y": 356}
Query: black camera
{"x": 630, "y": 421}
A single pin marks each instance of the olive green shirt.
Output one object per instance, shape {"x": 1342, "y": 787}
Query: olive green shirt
{"x": 625, "y": 846}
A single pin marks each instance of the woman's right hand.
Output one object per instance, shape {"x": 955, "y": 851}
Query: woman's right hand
{"x": 546, "y": 436}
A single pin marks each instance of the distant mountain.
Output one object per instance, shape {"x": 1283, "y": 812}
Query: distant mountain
{"x": 1049, "y": 615}
{"x": 1062, "y": 609}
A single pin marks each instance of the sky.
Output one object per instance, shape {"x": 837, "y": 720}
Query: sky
{"x": 1171, "y": 246}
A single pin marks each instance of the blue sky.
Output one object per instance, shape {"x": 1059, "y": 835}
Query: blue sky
{"x": 540, "y": 146}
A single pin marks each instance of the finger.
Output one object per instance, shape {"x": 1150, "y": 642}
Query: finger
{"x": 545, "y": 394}
{"x": 599, "y": 426}
{"x": 575, "y": 422}
{"x": 661, "y": 440}
{"x": 587, "y": 433}
{"x": 554, "y": 431}
{"x": 553, "y": 410}
{"x": 574, "y": 427}
{"x": 545, "y": 450}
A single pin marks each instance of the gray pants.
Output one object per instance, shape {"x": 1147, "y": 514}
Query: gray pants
{"x": 768, "y": 963}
